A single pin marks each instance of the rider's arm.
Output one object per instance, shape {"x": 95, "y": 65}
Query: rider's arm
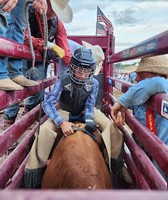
{"x": 51, "y": 100}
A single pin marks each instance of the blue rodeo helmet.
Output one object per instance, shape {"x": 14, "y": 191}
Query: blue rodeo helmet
{"x": 83, "y": 65}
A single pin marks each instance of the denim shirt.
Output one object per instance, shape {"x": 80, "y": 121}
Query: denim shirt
{"x": 136, "y": 97}
{"x": 54, "y": 96}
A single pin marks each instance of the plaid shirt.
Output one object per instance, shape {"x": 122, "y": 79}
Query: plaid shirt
{"x": 54, "y": 96}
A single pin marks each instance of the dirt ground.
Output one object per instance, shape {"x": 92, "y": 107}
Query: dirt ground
{"x": 117, "y": 93}
{"x": 3, "y": 127}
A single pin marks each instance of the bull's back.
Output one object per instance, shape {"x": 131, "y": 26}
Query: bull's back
{"x": 77, "y": 163}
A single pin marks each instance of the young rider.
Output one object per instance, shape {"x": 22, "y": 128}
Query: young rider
{"x": 76, "y": 92}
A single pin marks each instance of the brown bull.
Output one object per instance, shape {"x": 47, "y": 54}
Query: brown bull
{"x": 77, "y": 163}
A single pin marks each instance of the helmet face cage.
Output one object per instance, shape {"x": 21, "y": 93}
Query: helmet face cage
{"x": 81, "y": 75}
{"x": 83, "y": 65}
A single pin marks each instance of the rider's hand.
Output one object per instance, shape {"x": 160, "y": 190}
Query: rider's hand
{"x": 66, "y": 128}
{"x": 90, "y": 126}
{"x": 8, "y": 4}
{"x": 56, "y": 49}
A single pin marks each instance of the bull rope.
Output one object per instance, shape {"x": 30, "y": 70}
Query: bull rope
{"x": 27, "y": 5}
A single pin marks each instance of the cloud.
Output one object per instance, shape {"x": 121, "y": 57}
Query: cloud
{"x": 125, "y": 17}
{"x": 133, "y": 20}
{"x": 136, "y": 12}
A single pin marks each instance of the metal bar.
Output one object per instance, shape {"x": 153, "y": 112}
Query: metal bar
{"x": 151, "y": 174}
{"x": 156, "y": 45}
{"x": 156, "y": 102}
{"x": 16, "y": 181}
{"x": 153, "y": 177}
{"x": 83, "y": 195}
{"x": 8, "y": 167}
{"x": 94, "y": 40}
{"x": 140, "y": 181}
{"x": 10, "y": 135}
{"x": 13, "y": 49}
{"x": 9, "y": 98}
{"x": 157, "y": 149}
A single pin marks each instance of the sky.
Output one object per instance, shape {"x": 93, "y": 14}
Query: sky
{"x": 133, "y": 20}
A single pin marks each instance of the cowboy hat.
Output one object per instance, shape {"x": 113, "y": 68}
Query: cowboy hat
{"x": 129, "y": 69}
{"x": 154, "y": 64}
{"x": 98, "y": 53}
{"x": 62, "y": 9}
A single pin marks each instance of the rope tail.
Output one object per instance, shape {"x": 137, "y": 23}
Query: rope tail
{"x": 27, "y": 5}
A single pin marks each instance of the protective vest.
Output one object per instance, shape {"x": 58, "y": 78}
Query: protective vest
{"x": 34, "y": 26}
{"x": 73, "y": 96}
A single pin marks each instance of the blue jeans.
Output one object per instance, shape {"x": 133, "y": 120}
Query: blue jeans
{"x": 12, "y": 26}
{"x": 32, "y": 101}
{"x": 36, "y": 74}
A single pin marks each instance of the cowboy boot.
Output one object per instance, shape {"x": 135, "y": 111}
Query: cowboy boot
{"x": 8, "y": 85}
{"x": 23, "y": 81}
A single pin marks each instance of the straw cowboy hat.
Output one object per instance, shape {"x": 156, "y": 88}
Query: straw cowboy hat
{"x": 129, "y": 69}
{"x": 98, "y": 53}
{"x": 154, "y": 64}
{"x": 62, "y": 9}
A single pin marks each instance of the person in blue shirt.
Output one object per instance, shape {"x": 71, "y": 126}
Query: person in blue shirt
{"x": 76, "y": 92}
{"x": 132, "y": 77}
{"x": 151, "y": 78}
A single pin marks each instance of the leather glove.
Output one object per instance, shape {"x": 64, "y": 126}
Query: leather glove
{"x": 56, "y": 49}
{"x": 90, "y": 126}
